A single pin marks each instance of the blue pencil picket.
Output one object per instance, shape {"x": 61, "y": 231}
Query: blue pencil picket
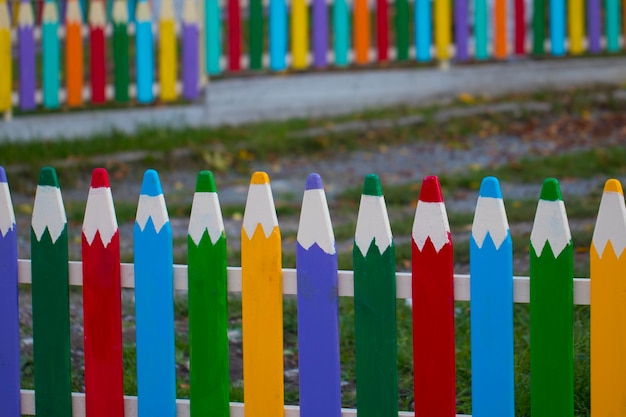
{"x": 557, "y": 27}
{"x": 423, "y": 29}
{"x": 9, "y": 325}
{"x": 154, "y": 309}
{"x": 318, "y": 311}
{"x": 278, "y": 35}
{"x": 145, "y": 53}
{"x": 51, "y": 54}
{"x": 491, "y": 306}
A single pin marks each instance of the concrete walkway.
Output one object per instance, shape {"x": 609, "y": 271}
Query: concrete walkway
{"x": 244, "y": 100}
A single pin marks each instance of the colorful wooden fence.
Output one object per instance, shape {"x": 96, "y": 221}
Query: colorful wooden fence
{"x": 282, "y": 35}
{"x": 551, "y": 291}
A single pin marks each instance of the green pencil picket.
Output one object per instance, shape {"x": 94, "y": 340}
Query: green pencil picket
{"x": 375, "y": 306}
{"x": 208, "y": 307}
{"x": 50, "y": 291}
{"x": 120, "y": 50}
{"x": 402, "y": 29}
{"x": 551, "y": 307}
{"x": 256, "y": 35}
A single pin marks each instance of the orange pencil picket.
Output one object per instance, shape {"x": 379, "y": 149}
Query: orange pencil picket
{"x": 74, "y": 54}
{"x": 361, "y": 32}
{"x": 500, "y": 41}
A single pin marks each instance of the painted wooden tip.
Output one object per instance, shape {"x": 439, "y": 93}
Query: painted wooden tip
{"x": 314, "y": 182}
{"x": 151, "y": 185}
{"x": 614, "y": 186}
{"x": 431, "y": 190}
{"x": 3, "y": 175}
{"x": 550, "y": 191}
{"x": 371, "y": 185}
{"x": 48, "y": 176}
{"x": 490, "y": 187}
{"x": 205, "y": 182}
{"x": 260, "y": 178}
{"x": 100, "y": 178}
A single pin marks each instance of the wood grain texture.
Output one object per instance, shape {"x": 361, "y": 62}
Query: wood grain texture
{"x": 376, "y": 350}
{"x": 318, "y": 309}
{"x": 491, "y": 306}
{"x": 50, "y": 298}
{"x": 102, "y": 306}
{"x": 261, "y": 303}
{"x": 208, "y": 306}
{"x": 551, "y": 307}
{"x": 433, "y": 305}
{"x": 608, "y": 312}
{"x": 154, "y": 307}
{"x": 9, "y": 308}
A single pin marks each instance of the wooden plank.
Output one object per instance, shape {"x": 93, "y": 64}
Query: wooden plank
{"x": 608, "y": 312}
{"x": 576, "y": 23}
{"x": 144, "y": 57}
{"x": 261, "y": 302}
{"x": 491, "y": 305}
{"x": 9, "y": 309}
{"x": 234, "y": 35}
{"x": 213, "y": 34}
{"x": 50, "y": 299}
{"x": 481, "y": 12}
{"x": 402, "y": 30}
{"x": 299, "y": 34}
{"x": 382, "y": 30}
{"x": 278, "y": 35}
{"x": 74, "y": 54}
{"x": 443, "y": 28}
{"x": 557, "y": 27}
{"x": 551, "y": 307}
{"x": 182, "y": 407}
{"x": 191, "y": 65}
{"x": 462, "y": 30}
{"x": 375, "y": 338}
{"x": 102, "y": 305}
{"x": 318, "y": 308}
{"x": 320, "y": 33}
{"x": 97, "y": 51}
{"x": 594, "y": 25}
{"x": 341, "y": 32}
{"x": 361, "y": 31}
{"x": 6, "y": 76}
{"x": 121, "y": 56}
{"x": 256, "y": 34}
{"x": 612, "y": 15}
{"x": 433, "y": 305}
{"x": 168, "y": 60}
{"x": 423, "y": 30}
{"x": 520, "y": 27}
{"x": 208, "y": 304}
{"x": 521, "y": 285}
{"x": 26, "y": 56}
{"x": 51, "y": 60}
{"x": 538, "y": 23}
{"x": 500, "y": 43}
{"x": 154, "y": 306}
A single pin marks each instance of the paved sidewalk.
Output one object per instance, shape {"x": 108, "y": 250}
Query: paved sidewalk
{"x": 244, "y": 100}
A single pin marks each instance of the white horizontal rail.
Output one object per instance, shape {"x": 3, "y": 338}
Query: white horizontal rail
{"x": 182, "y": 407}
{"x": 521, "y": 285}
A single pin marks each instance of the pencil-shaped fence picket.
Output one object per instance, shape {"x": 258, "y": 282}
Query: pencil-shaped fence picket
{"x": 491, "y": 289}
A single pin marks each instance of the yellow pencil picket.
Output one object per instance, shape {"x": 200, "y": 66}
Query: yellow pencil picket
{"x": 443, "y": 29}
{"x": 6, "y": 76}
{"x": 299, "y": 34}
{"x": 608, "y": 310}
{"x": 576, "y": 26}
{"x": 167, "y": 51}
{"x": 261, "y": 299}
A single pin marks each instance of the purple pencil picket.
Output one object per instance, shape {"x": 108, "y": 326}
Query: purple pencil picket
{"x": 26, "y": 38}
{"x": 9, "y": 322}
{"x": 318, "y": 311}
{"x": 190, "y": 51}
